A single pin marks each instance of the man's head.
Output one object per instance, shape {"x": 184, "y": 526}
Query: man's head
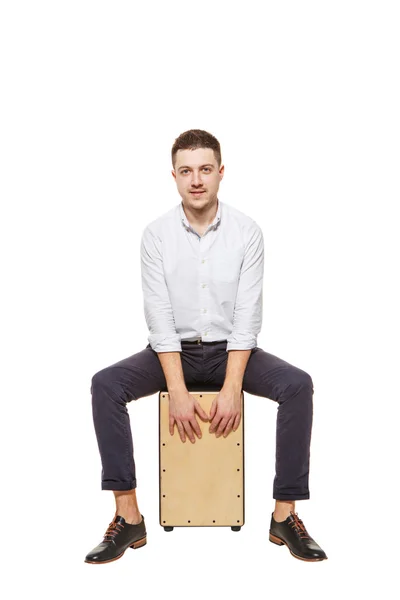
{"x": 196, "y": 161}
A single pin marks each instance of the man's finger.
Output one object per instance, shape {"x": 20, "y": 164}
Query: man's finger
{"x": 171, "y": 425}
{"x": 202, "y": 413}
{"x": 222, "y": 426}
{"x": 181, "y": 430}
{"x": 188, "y": 430}
{"x": 196, "y": 427}
{"x": 214, "y": 423}
{"x": 228, "y": 427}
{"x": 213, "y": 409}
{"x": 236, "y": 423}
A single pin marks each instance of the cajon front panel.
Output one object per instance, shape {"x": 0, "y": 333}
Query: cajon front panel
{"x": 201, "y": 484}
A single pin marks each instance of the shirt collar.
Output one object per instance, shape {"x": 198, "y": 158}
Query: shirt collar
{"x": 214, "y": 224}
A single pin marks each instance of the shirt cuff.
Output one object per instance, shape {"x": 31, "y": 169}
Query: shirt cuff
{"x": 160, "y": 342}
{"x": 241, "y": 341}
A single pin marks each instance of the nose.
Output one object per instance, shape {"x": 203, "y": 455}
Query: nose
{"x": 196, "y": 180}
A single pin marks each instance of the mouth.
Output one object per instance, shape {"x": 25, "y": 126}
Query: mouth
{"x": 198, "y": 193}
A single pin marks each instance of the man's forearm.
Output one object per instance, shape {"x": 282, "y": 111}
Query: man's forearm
{"x": 235, "y": 368}
{"x": 171, "y": 364}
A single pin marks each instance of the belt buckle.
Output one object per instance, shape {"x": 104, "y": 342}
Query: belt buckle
{"x": 198, "y": 341}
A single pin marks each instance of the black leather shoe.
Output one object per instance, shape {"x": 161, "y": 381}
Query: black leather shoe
{"x": 293, "y": 533}
{"x": 119, "y": 536}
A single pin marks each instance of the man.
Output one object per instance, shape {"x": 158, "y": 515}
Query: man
{"x": 202, "y": 277}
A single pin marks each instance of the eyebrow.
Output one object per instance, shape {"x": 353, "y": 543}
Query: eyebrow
{"x": 201, "y": 166}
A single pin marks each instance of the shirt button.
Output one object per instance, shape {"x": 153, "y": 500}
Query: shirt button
{"x": 204, "y": 310}
{"x": 204, "y": 285}
{"x": 205, "y": 333}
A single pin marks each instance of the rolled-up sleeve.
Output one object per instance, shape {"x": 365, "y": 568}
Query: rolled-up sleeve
{"x": 157, "y": 305}
{"x": 248, "y": 310}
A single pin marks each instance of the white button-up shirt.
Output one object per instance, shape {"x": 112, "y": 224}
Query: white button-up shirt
{"x": 207, "y": 287}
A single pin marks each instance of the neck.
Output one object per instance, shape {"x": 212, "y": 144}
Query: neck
{"x": 201, "y": 217}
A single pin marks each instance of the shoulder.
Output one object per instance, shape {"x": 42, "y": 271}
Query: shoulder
{"x": 162, "y": 223}
{"x": 247, "y": 225}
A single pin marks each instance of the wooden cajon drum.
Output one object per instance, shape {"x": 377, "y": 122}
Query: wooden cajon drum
{"x": 201, "y": 484}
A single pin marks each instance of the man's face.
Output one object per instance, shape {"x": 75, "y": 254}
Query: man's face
{"x": 197, "y": 171}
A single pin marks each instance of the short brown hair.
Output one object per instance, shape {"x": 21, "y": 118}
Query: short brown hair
{"x": 193, "y": 139}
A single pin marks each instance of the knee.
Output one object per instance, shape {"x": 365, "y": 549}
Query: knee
{"x": 297, "y": 378}
{"x": 101, "y": 379}
{"x": 305, "y": 379}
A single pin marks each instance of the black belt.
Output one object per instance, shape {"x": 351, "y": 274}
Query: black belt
{"x": 201, "y": 342}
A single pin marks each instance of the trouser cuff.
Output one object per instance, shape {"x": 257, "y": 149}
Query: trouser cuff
{"x": 118, "y": 486}
{"x": 293, "y": 497}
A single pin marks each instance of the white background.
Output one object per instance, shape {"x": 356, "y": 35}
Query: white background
{"x": 304, "y": 99}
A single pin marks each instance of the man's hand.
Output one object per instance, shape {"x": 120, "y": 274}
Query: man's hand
{"x": 182, "y": 407}
{"x": 226, "y": 411}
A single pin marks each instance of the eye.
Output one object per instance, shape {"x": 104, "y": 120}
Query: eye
{"x": 204, "y": 169}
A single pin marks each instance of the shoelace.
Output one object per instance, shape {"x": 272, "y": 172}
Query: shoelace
{"x": 298, "y": 525}
{"x": 112, "y": 530}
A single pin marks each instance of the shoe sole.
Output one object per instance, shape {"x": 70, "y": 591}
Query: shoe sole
{"x": 135, "y": 545}
{"x": 275, "y": 540}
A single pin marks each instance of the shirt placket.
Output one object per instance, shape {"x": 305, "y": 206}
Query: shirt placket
{"x": 204, "y": 283}
{"x": 203, "y": 245}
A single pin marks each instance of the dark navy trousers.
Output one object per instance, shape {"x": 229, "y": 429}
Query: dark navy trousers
{"x": 204, "y": 365}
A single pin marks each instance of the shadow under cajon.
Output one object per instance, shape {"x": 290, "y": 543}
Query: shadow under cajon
{"x": 201, "y": 484}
